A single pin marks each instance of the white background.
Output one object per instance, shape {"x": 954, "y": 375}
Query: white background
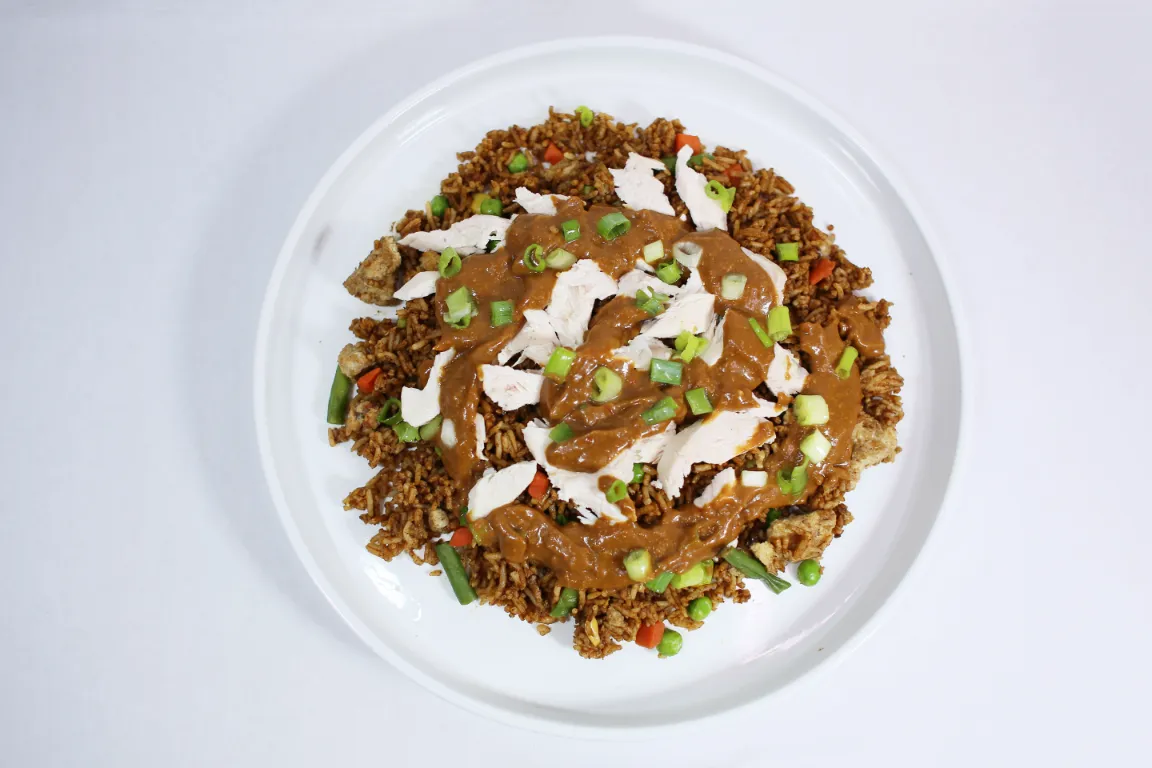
{"x": 151, "y": 161}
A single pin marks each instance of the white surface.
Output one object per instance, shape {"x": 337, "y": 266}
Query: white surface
{"x": 150, "y": 164}
{"x": 745, "y": 653}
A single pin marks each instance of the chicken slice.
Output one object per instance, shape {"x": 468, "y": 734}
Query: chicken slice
{"x": 637, "y": 188}
{"x": 723, "y": 482}
{"x": 423, "y": 284}
{"x": 575, "y": 294}
{"x": 495, "y": 489}
{"x": 642, "y": 349}
{"x": 468, "y": 236}
{"x": 706, "y": 213}
{"x": 534, "y": 203}
{"x": 509, "y": 388}
{"x": 535, "y": 340}
{"x": 785, "y": 374}
{"x": 775, "y": 274}
{"x": 420, "y": 406}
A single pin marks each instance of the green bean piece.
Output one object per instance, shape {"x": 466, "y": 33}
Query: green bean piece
{"x": 454, "y": 570}
{"x": 568, "y": 599}
{"x": 751, "y": 567}
{"x": 338, "y": 398}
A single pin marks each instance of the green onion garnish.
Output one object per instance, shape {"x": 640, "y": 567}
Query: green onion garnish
{"x": 690, "y": 578}
{"x": 405, "y": 432}
{"x": 389, "y": 413}
{"x": 429, "y": 430}
{"x": 561, "y": 433}
{"x": 438, "y": 205}
{"x": 688, "y": 346}
{"x": 559, "y": 363}
{"x": 560, "y": 259}
{"x": 638, "y": 563}
{"x": 607, "y": 385}
{"x": 661, "y": 582}
{"x": 401, "y": 323}
{"x": 753, "y": 478}
{"x": 844, "y": 367}
{"x": 613, "y": 225}
{"x": 492, "y": 207}
{"x": 653, "y": 252}
{"x": 810, "y": 410}
{"x": 568, "y": 599}
{"x": 586, "y": 115}
{"x": 518, "y": 163}
{"x": 461, "y": 306}
{"x": 697, "y": 160}
{"x": 462, "y": 323}
{"x": 669, "y": 163}
{"x": 709, "y": 566}
{"x": 618, "y": 491}
{"x": 534, "y": 258}
{"x": 721, "y": 194}
{"x": 756, "y": 329}
{"x": 666, "y": 371}
{"x": 450, "y": 263}
{"x": 751, "y": 567}
{"x": 650, "y": 301}
{"x": 502, "y": 313}
{"x": 698, "y": 401}
{"x": 688, "y": 253}
{"x": 732, "y": 286}
{"x": 663, "y": 410}
{"x": 570, "y": 229}
{"x": 779, "y": 323}
{"x": 669, "y": 272}
{"x": 816, "y": 447}
{"x": 788, "y": 251}
{"x": 637, "y": 473}
{"x": 794, "y": 480}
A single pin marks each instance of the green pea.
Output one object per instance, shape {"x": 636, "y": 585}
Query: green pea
{"x": 670, "y": 644}
{"x": 808, "y": 572}
{"x": 439, "y": 205}
{"x": 492, "y": 207}
{"x": 699, "y": 609}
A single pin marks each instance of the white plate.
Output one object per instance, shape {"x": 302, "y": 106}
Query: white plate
{"x": 476, "y": 656}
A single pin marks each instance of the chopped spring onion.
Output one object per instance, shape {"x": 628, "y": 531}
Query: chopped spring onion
{"x": 666, "y": 371}
{"x": 688, "y": 253}
{"x": 613, "y": 225}
{"x": 816, "y": 447}
{"x": 651, "y": 301}
{"x": 669, "y": 272}
{"x": 586, "y": 115}
{"x": 438, "y": 205}
{"x": 765, "y": 339}
{"x": 561, "y": 433}
{"x": 779, "y": 323}
{"x": 560, "y": 259}
{"x": 559, "y": 363}
{"x": 663, "y": 410}
{"x": 429, "y": 430}
{"x": 502, "y": 313}
{"x": 492, "y": 207}
{"x": 450, "y": 264}
{"x": 698, "y": 159}
{"x": 460, "y": 304}
{"x": 653, "y": 252}
{"x": 638, "y": 563}
{"x": 401, "y": 323}
{"x": 534, "y": 258}
{"x": 477, "y": 201}
{"x": 518, "y": 163}
{"x": 688, "y": 346}
{"x": 670, "y": 644}
{"x": 794, "y": 480}
{"x": 698, "y": 401}
{"x": 721, "y": 194}
{"x": 568, "y": 599}
{"x": 699, "y": 609}
{"x": 462, "y": 323}
{"x": 708, "y": 566}
{"x": 751, "y": 567}
{"x": 405, "y": 432}
{"x": 732, "y": 286}
{"x": 690, "y": 578}
{"x": 753, "y": 478}
{"x": 810, "y": 410}
{"x": 669, "y": 163}
{"x": 389, "y": 413}
{"x": 844, "y": 367}
{"x": 637, "y": 473}
{"x": 454, "y": 570}
{"x": 338, "y": 398}
{"x": 661, "y": 582}
{"x": 788, "y": 251}
{"x": 570, "y": 229}
{"x": 618, "y": 491}
{"x": 606, "y": 384}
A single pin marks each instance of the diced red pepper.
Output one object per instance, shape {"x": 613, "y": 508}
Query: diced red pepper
{"x": 688, "y": 139}
{"x": 553, "y": 154}
{"x": 539, "y": 485}
{"x": 649, "y": 635}
{"x": 368, "y": 380}
{"x": 734, "y": 171}
{"x": 462, "y": 537}
{"x": 821, "y": 270}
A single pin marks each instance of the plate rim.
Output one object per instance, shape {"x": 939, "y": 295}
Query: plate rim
{"x": 642, "y": 43}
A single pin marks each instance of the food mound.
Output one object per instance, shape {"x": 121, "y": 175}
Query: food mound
{"x": 624, "y": 374}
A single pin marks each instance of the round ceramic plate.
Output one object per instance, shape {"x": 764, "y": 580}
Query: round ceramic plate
{"x": 745, "y": 652}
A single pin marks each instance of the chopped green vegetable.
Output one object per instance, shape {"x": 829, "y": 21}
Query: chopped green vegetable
{"x": 651, "y": 301}
{"x": 637, "y": 473}
{"x": 460, "y": 305}
{"x": 618, "y": 491}
{"x": 794, "y": 480}
{"x": 670, "y": 644}
{"x": 663, "y": 410}
{"x": 502, "y": 312}
{"x": 810, "y": 410}
{"x": 689, "y": 346}
{"x": 669, "y": 163}
{"x": 688, "y": 253}
{"x": 732, "y": 286}
{"x": 779, "y": 323}
{"x": 560, "y": 259}
{"x": 698, "y": 401}
{"x": 518, "y": 163}
{"x": 788, "y": 251}
{"x": 721, "y": 194}
{"x": 462, "y": 323}
{"x": 492, "y": 207}
{"x": 405, "y": 432}
{"x": 561, "y": 519}
{"x": 638, "y": 563}
{"x": 809, "y": 572}
{"x": 450, "y": 263}
{"x": 588, "y": 189}
{"x": 534, "y": 258}
{"x": 751, "y": 567}
{"x": 389, "y": 412}
{"x": 653, "y": 252}
{"x": 666, "y": 371}
{"x": 699, "y": 609}
{"x": 492, "y": 246}
{"x": 606, "y": 384}
{"x": 844, "y": 367}
{"x": 338, "y": 397}
{"x": 816, "y": 447}
{"x": 709, "y": 566}
{"x": 690, "y": 578}
{"x": 586, "y": 115}
{"x": 765, "y": 339}
{"x": 570, "y": 229}
{"x": 429, "y": 430}
{"x": 568, "y": 599}
{"x": 454, "y": 570}
{"x": 698, "y": 159}
{"x": 561, "y": 433}
{"x": 661, "y": 582}
{"x": 613, "y": 225}
{"x": 559, "y": 363}
{"x": 438, "y": 205}
{"x": 477, "y": 201}
{"x": 401, "y": 323}
{"x": 669, "y": 272}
